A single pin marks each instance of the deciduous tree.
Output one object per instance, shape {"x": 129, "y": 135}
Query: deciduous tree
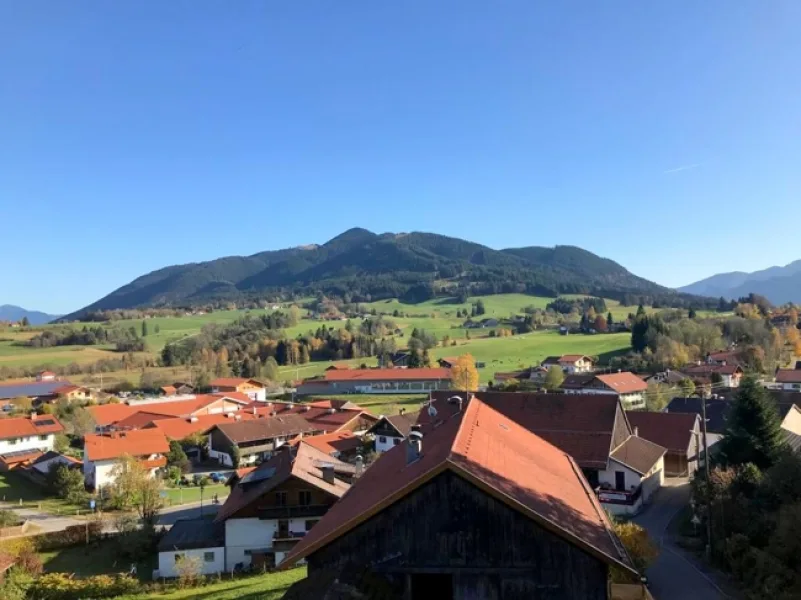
{"x": 464, "y": 375}
{"x": 554, "y": 378}
{"x": 133, "y": 487}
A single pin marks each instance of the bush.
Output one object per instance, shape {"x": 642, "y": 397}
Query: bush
{"x": 71, "y": 536}
{"x": 8, "y": 518}
{"x": 60, "y": 586}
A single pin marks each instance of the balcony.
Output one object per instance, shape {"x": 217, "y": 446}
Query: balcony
{"x": 610, "y": 496}
{"x": 292, "y": 512}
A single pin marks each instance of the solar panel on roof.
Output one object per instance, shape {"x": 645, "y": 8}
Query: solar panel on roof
{"x": 38, "y": 422}
{"x": 258, "y": 475}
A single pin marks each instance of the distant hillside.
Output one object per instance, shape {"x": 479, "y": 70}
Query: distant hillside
{"x": 777, "y": 284}
{"x": 9, "y": 312}
{"x": 359, "y": 266}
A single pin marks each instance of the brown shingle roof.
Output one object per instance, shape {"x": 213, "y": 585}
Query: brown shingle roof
{"x": 638, "y": 454}
{"x": 673, "y": 431}
{"x": 788, "y": 376}
{"x": 499, "y": 457}
{"x": 709, "y": 369}
{"x": 302, "y": 462}
{"x": 264, "y": 429}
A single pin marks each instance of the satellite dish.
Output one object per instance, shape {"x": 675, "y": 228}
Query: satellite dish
{"x": 432, "y": 412}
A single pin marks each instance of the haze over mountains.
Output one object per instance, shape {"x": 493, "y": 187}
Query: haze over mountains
{"x": 9, "y": 312}
{"x": 359, "y": 265}
{"x": 777, "y": 284}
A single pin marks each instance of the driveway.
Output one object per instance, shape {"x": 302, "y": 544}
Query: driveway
{"x": 675, "y": 575}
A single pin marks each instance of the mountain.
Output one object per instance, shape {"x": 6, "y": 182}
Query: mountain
{"x": 9, "y": 312}
{"x": 360, "y": 265}
{"x": 777, "y": 284}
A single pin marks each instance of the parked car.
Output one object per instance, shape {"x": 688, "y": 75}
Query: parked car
{"x": 217, "y": 477}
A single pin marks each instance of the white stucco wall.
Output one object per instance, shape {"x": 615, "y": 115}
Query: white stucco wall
{"x": 209, "y": 567}
{"x": 387, "y": 444}
{"x": 607, "y": 476}
{"x": 32, "y": 442}
{"x": 242, "y": 535}
{"x": 635, "y": 400}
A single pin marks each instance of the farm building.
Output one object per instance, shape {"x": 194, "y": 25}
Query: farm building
{"x": 377, "y": 381}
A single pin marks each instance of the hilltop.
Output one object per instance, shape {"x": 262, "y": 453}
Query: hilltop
{"x": 777, "y": 284}
{"x": 9, "y": 312}
{"x": 359, "y": 265}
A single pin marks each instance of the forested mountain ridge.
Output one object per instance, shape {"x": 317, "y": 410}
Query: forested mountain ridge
{"x": 9, "y": 312}
{"x": 359, "y": 265}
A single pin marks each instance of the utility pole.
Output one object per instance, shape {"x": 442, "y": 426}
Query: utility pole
{"x": 708, "y": 482}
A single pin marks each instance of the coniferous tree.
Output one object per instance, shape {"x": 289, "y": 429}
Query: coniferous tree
{"x": 753, "y": 429}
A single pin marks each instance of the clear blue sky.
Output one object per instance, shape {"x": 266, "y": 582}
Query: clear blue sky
{"x": 134, "y": 135}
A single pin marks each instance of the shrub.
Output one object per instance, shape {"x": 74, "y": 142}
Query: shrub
{"x": 71, "y": 536}
{"x": 59, "y": 586}
{"x": 8, "y": 518}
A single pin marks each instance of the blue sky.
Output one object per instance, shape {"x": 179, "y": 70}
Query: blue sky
{"x": 134, "y": 135}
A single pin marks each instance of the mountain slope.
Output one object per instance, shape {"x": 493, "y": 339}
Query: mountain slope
{"x": 9, "y": 312}
{"x": 777, "y": 284}
{"x": 360, "y": 265}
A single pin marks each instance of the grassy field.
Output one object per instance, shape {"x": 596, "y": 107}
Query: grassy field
{"x": 98, "y": 558}
{"x": 270, "y": 586}
{"x": 186, "y": 495}
{"x": 15, "y": 488}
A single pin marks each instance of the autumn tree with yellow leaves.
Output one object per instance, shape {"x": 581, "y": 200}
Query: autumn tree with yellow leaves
{"x": 464, "y": 375}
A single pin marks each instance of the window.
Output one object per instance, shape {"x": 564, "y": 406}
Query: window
{"x": 43, "y": 438}
{"x": 280, "y": 498}
{"x": 12, "y": 441}
{"x": 382, "y": 439}
{"x": 304, "y": 497}
{"x": 178, "y": 557}
{"x": 311, "y": 523}
{"x": 395, "y": 441}
{"x": 208, "y": 557}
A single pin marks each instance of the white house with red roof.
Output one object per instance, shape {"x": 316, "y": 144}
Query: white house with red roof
{"x": 630, "y": 388}
{"x": 571, "y": 363}
{"x": 102, "y": 452}
{"x": 24, "y": 439}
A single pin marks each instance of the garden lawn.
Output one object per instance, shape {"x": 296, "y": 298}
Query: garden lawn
{"x": 189, "y": 494}
{"x": 270, "y": 586}
{"x": 98, "y": 558}
{"x": 379, "y": 404}
{"x": 15, "y": 487}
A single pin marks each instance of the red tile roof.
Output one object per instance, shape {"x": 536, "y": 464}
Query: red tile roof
{"x": 496, "y": 455}
{"x": 302, "y": 462}
{"x": 623, "y": 383}
{"x": 331, "y": 443}
{"x": 674, "y": 431}
{"x": 168, "y": 389}
{"x": 583, "y": 425}
{"x": 388, "y": 374}
{"x": 709, "y": 369}
{"x": 18, "y": 427}
{"x": 178, "y": 428}
{"x": 788, "y": 376}
{"x": 109, "y": 414}
{"x": 140, "y": 420}
{"x": 573, "y": 358}
{"x": 140, "y": 442}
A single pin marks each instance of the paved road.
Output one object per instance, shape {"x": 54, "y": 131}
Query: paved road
{"x": 675, "y": 575}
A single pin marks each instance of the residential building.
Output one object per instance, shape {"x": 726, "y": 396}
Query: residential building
{"x": 200, "y": 540}
{"x": 724, "y": 357}
{"x": 377, "y": 381}
{"x": 24, "y": 439}
{"x": 274, "y": 506}
{"x": 622, "y": 468}
{"x": 102, "y": 453}
{"x": 390, "y": 431}
{"x": 449, "y": 361}
{"x": 72, "y": 393}
{"x": 679, "y": 433}
{"x": 36, "y": 391}
{"x": 257, "y": 439}
{"x": 253, "y": 388}
{"x": 789, "y": 379}
{"x": 474, "y": 507}
{"x": 730, "y": 375}
{"x": 343, "y": 445}
{"x": 669, "y": 377}
{"x": 46, "y": 376}
{"x": 43, "y": 464}
{"x": 630, "y": 388}
{"x": 570, "y": 363}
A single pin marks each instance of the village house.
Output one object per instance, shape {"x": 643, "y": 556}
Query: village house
{"x": 24, "y": 439}
{"x": 253, "y": 388}
{"x": 624, "y": 469}
{"x": 728, "y": 374}
{"x": 103, "y": 451}
{"x": 257, "y": 439}
{"x": 789, "y": 379}
{"x": 200, "y": 540}
{"x": 36, "y": 391}
{"x": 46, "y": 376}
{"x": 391, "y": 430}
{"x": 343, "y": 445}
{"x": 274, "y": 506}
{"x": 377, "y": 381}
{"x": 50, "y": 458}
{"x": 474, "y": 507}
{"x": 627, "y": 386}
{"x": 679, "y": 433}
{"x": 670, "y": 377}
{"x": 570, "y": 363}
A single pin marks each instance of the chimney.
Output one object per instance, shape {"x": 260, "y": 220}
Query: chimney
{"x": 238, "y": 417}
{"x": 636, "y": 431}
{"x": 402, "y": 411}
{"x": 414, "y": 446}
{"x": 255, "y": 411}
{"x": 306, "y": 408}
{"x": 33, "y": 415}
{"x": 359, "y": 464}
{"x": 332, "y": 411}
{"x": 328, "y": 473}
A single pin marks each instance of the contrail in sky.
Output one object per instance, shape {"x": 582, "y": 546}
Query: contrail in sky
{"x": 682, "y": 168}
